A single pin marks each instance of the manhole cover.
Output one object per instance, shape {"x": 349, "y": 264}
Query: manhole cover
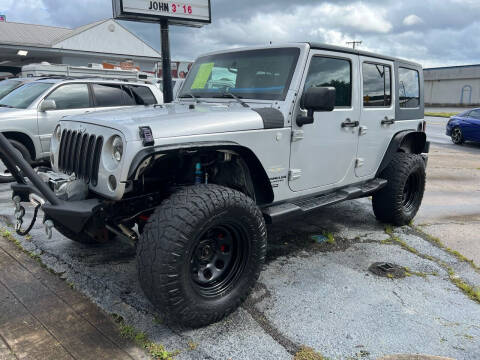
{"x": 388, "y": 270}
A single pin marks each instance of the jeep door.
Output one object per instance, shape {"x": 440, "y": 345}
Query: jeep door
{"x": 323, "y": 153}
{"x": 70, "y": 99}
{"x": 377, "y": 119}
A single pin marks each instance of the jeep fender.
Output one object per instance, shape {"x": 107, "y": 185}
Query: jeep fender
{"x": 261, "y": 183}
{"x": 408, "y": 141}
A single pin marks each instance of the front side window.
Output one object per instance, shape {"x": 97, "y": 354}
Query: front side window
{"x": 475, "y": 114}
{"x": 71, "y": 96}
{"x": 7, "y": 86}
{"x": 377, "y": 89}
{"x": 23, "y": 97}
{"x": 107, "y": 95}
{"x": 255, "y": 74}
{"x": 332, "y": 72}
{"x": 409, "y": 88}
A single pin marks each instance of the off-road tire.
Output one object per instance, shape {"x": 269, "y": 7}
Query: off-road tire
{"x": 457, "y": 136}
{"x": 398, "y": 202}
{"x": 170, "y": 242}
{"x": 26, "y": 155}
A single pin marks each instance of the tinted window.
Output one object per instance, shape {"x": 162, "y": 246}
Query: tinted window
{"x": 7, "y": 86}
{"x": 110, "y": 95}
{"x": 475, "y": 114}
{"x": 71, "y": 96}
{"x": 142, "y": 95}
{"x": 256, "y": 74}
{"x": 377, "y": 87}
{"x": 22, "y": 97}
{"x": 409, "y": 88}
{"x": 337, "y": 73}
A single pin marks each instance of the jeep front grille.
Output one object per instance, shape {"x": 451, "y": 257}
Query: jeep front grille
{"x": 80, "y": 154}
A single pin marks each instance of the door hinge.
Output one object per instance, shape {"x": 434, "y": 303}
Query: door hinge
{"x": 363, "y": 130}
{"x": 297, "y": 135}
{"x": 294, "y": 174}
{"x": 359, "y": 162}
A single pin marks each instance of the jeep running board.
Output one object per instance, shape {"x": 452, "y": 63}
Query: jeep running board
{"x": 280, "y": 212}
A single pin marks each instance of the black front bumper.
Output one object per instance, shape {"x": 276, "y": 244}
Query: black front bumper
{"x": 73, "y": 216}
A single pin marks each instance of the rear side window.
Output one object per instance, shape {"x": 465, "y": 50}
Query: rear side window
{"x": 71, "y": 96}
{"x": 142, "y": 95}
{"x": 377, "y": 88}
{"x": 326, "y": 71}
{"x": 110, "y": 95}
{"x": 409, "y": 88}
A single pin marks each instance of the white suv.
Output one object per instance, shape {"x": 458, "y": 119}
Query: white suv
{"x": 29, "y": 114}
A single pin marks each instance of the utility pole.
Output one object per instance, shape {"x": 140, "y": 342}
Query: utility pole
{"x": 354, "y": 43}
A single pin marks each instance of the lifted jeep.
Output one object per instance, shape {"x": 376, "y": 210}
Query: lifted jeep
{"x": 258, "y": 135}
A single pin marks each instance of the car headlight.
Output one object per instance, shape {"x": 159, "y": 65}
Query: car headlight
{"x": 117, "y": 149}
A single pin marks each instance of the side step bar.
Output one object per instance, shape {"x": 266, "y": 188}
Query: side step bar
{"x": 297, "y": 207}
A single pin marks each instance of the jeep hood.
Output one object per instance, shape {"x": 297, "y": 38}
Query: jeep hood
{"x": 177, "y": 119}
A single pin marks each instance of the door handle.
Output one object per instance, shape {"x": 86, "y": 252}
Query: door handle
{"x": 387, "y": 121}
{"x": 350, "y": 123}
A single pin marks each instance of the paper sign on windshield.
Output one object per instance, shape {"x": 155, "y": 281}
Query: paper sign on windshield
{"x": 203, "y": 75}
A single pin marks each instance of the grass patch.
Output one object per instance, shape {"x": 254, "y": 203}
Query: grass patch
{"x": 472, "y": 292}
{"x": 141, "y": 339}
{"x": 441, "y": 114}
{"x": 307, "y": 353}
{"x": 330, "y": 237}
{"x": 8, "y": 235}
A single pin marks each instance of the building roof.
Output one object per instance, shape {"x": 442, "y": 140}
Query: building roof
{"x": 453, "y": 67}
{"x": 30, "y": 35}
{"x": 81, "y": 38}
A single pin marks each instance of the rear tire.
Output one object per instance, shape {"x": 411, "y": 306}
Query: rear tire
{"x": 398, "y": 202}
{"x": 201, "y": 253}
{"x": 4, "y": 175}
{"x": 457, "y": 136}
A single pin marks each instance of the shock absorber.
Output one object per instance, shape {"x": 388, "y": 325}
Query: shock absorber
{"x": 198, "y": 173}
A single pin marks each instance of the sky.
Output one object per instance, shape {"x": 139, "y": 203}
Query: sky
{"x": 432, "y": 32}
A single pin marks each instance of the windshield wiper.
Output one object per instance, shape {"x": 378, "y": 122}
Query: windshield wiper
{"x": 189, "y": 94}
{"x": 7, "y": 106}
{"x": 228, "y": 94}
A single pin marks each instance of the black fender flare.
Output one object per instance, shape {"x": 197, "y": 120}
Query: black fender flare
{"x": 261, "y": 182}
{"x": 407, "y": 141}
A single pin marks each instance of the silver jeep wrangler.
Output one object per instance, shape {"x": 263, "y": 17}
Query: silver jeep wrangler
{"x": 258, "y": 135}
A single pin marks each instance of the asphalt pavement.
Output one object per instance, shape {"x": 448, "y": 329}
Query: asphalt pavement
{"x": 313, "y": 292}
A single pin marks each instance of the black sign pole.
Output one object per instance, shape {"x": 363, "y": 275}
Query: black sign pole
{"x": 166, "y": 63}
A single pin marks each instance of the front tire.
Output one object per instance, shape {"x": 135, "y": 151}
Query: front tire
{"x": 398, "y": 202}
{"x": 201, "y": 253}
{"x": 457, "y": 136}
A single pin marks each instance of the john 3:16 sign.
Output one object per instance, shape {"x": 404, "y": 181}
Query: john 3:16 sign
{"x": 181, "y": 12}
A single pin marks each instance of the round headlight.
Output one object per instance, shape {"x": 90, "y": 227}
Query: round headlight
{"x": 117, "y": 148}
{"x": 58, "y": 132}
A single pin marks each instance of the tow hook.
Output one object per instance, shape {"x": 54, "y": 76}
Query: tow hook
{"x": 19, "y": 213}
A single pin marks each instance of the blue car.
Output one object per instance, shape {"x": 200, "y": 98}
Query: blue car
{"x": 464, "y": 127}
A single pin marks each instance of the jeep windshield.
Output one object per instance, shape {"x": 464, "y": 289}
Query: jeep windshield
{"x": 263, "y": 74}
{"x": 22, "y": 97}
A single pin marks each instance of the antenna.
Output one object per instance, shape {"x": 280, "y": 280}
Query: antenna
{"x": 354, "y": 43}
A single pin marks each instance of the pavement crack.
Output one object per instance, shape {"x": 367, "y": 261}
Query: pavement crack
{"x": 399, "y": 298}
{"x": 290, "y": 346}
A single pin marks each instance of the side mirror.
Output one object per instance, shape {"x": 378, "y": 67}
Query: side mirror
{"x": 316, "y": 99}
{"x": 48, "y": 105}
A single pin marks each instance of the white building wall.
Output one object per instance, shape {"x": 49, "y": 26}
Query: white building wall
{"x": 110, "y": 37}
{"x": 452, "y": 92}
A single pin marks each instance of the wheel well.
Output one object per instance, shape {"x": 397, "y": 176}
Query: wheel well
{"x": 409, "y": 141}
{"x": 24, "y": 140}
{"x": 232, "y": 166}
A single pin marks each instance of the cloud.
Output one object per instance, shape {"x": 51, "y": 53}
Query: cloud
{"x": 397, "y": 28}
{"x": 411, "y": 20}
